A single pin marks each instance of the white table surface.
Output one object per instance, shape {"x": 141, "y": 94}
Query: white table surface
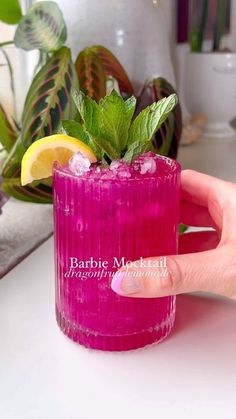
{"x": 43, "y": 375}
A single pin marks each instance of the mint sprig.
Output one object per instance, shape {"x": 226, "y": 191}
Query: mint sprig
{"x": 115, "y": 119}
{"x": 146, "y": 124}
{"x": 137, "y": 148}
{"x": 150, "y": 119}
{"x": 108, "y": 126}
{"x": 74, "y": 129}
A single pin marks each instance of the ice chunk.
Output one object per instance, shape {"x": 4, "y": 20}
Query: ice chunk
{"x": 79, "y": 164}
{"x": 148, "y": 165}
{"x": 124, "y": 173}
{"x": 121, "y": 169}
{"x": 145, "y": 164}
{"x": 116, "y": 164}
{"x": 98, "y": 169}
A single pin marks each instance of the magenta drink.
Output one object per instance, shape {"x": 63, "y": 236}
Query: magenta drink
{"x": 104, "y": 218}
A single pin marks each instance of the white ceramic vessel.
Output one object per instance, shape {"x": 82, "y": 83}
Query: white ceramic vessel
{"x": 211, "y": 89}
{"x": 138, "y": 32}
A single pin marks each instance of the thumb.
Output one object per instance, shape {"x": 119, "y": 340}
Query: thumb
{"x": 203, "y": 271}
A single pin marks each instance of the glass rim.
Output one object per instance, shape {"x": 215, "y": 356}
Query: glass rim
{"x": 173, "y": 164}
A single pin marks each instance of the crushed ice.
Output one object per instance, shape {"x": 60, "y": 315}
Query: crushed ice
{"x": 121, "y": 168}
{"x": 148, "y": 165}
{"x": 144, "y": 164}
{"x": 79, "y": 164}
{"x": 115, "y": 164}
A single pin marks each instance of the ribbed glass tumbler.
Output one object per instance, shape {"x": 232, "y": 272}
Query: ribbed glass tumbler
{"x": 100, "y": 225}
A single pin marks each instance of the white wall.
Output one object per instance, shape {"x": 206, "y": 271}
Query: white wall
{"x": 6, "y": 98}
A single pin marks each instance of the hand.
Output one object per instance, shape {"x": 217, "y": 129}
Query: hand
{"x": 207, "y": 259}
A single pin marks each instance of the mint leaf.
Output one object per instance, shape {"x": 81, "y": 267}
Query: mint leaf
{"x": 169, "y": 132}
{"x": 137, "y": 148}
{"x": 116, "y": 115}
{"x": 130, "y": 107}
{"x": 74, "y": 129}
{"x": 150, "y": 119}
{"x": 89, "y": 112}
{"x": 91, "y": 116}
{"x": 106, "y": 147}
{"x": 108, "y": 128}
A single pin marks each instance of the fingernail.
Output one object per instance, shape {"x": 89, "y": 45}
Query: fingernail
{"x": 124, "y": 284}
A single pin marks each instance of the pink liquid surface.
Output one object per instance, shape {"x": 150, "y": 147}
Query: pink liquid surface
{"x": 103, "y": 216}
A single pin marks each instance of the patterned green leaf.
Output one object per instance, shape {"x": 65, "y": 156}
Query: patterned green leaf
{"x": 91, "y": 74}
{"x": 40, "y": 192}
{"x": 114, "y": 68}
{"x": 95, "y": 65}
{"x": 8, "y": 133}
{"x": 48, "y": 101}
{"x": 42, "y": 28}
{"x": 10, "y": 11}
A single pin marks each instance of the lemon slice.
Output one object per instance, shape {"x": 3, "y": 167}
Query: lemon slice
{"x": 37, "y": 162}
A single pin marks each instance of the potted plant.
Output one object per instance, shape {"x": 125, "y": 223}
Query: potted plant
{"x": 211, "y": 69}
{"x": 48, "y": 105}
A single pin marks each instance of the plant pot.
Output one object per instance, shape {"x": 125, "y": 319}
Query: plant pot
{"x": 211, "y": 90}
{"x": 136, "y": 31}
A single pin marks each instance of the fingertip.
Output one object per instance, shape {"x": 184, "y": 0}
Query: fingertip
{"x": 116, "y": 282}
{"x": 126, "y": 283}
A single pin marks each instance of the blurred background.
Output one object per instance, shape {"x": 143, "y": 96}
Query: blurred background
{"x": 169, "y": 30}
